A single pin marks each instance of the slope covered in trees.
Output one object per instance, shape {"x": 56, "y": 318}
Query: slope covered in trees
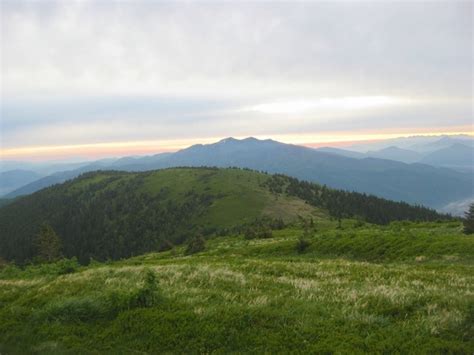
{"x": 113, "y": 214}
{"x": 345, "y": 204}
{"x": 118, "y": 214}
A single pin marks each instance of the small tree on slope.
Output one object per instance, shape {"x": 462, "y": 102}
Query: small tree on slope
{"x": 48, "y": 244}
{"x": 469, "y": 220}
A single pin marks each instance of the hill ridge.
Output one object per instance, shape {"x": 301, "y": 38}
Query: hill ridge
{"x": 115, "y": 214}
{"x": 413, "y": 183}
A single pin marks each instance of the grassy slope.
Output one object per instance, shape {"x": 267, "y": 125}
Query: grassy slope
{"x": 242, "y": 200}
{"x": 239, "y": 194}
{"x": 259, "y": 295}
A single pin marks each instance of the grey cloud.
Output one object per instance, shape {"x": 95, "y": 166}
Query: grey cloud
{"x": 407, "y": 47}
{"x": 172, "y": 67}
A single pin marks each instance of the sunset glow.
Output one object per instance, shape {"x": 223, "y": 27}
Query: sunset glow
{"x": 150, "y": 147}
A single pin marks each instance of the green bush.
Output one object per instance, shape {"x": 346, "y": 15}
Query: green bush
{"x": 302, "y": 244}
{"x": 147, "y": 296}
{"x": 10, "y": 271}
{"x": 250, "y": 233}
{"x": 195, "y": 245}
{"x": 277, "y": 224}
{"x": 67, "y": 266}
{"x": 107, "y": 306}
{"x": 60, "y": 267}
{"x": 359, "y": 223}
{"x": 165, "y": 245}
{"x": 265, "y": 232}
{"x": 258, "y": 232}
{"x": 77, "y": 309}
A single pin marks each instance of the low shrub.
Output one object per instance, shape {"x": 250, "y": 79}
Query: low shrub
{"x": 258, "y": 232}
{"x": 146, "y": 296}
{"x": 250, "y": 233}
{"x": 195, "y": 245}
{"x": 165, "y": 245}
{"x": 10, "y": 271}
{"x": 302, "y": 244}
{"x": 76, "y": 309}
{"x": 67, "y": 266}
{"x": 265, "y": 232}
{"x": 60, "y": 267}
{"x": 107, "y": 306}
{"x": 277, "y": 224}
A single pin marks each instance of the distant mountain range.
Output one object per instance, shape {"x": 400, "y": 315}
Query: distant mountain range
{"x": 14, "y": 179}
{"x": 397, "y": 154}
{"x": 449, "y": 152}
{"x": 455, "y": 156}
{"x": 414, "y": 183}
{"x": 420, "y": 144}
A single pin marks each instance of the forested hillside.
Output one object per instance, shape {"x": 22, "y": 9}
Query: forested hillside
{"x": 113, "y": 214}
{"x": 344, "y": 204}
{"x": 118, "y": 214}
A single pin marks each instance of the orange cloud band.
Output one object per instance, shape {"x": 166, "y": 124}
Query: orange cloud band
{"x": 98, "y": 150}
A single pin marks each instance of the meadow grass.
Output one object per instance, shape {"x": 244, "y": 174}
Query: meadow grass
{"x": 342, "y": 294}
{"x": 242, "y": 199}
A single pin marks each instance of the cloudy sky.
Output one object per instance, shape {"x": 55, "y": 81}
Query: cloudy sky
{"x": 98, "y": 78}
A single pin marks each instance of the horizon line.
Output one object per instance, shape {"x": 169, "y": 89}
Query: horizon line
{"x": 118, "y": 149}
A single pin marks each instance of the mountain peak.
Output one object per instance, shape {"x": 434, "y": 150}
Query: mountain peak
{"x": 251, "y": 139}
{"x": 243, "y": 140}
{"x": 394, "y": 148}
{"x": 228, "y": 140}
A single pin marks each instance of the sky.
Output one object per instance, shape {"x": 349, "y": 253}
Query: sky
{"x": 112, "y": 78}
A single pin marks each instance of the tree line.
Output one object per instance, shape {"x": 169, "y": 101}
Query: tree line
{"x": 346, "y": 204}
{"x": 98, "y": 222}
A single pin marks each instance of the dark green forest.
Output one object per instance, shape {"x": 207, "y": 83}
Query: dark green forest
{"x": 112, "y": 215}
{"x": 345, "y": 204}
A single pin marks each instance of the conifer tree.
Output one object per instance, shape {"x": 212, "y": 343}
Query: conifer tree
{"x": 48, "y": 244}
{"x": 469, "y": 220}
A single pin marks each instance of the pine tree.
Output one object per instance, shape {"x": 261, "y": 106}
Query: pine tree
{"x": 48, "y": 244}
{"x": 469, "y": 220}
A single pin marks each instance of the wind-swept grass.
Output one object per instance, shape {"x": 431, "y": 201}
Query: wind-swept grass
{"x": 257, "y": 295}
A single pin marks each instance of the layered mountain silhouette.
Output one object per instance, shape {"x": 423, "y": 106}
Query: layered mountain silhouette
{"x": 454, "y": 153}
{"x": 395, "y": 153}
{"x": 413, "y": 183}
{"x": 14, "y": 179}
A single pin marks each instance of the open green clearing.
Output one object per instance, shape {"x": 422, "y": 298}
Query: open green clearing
{"x": 405, "y": 287}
